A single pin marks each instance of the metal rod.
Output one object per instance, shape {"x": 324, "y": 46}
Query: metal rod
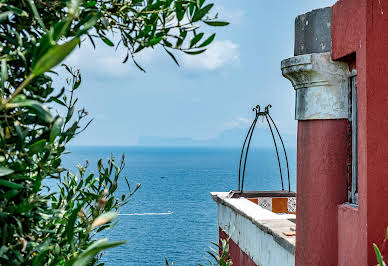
{"x": 285, "y": 153}
{"x": 249, "y": 143}
{"x": 242, "y": 152}
{"x": 276, "y": 148}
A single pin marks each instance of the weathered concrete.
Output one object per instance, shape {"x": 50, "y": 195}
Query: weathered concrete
{"x": 321, "y": 86}
{"x": 258, "y": 233}
{"x": 313, "y": 32}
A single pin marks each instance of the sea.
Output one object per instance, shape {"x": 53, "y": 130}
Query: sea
{"x": 172, "y": 216}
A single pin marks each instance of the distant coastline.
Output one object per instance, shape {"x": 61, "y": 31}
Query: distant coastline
{"x": 232, "y": 138}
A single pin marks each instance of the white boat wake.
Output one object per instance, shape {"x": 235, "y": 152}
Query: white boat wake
{"x": 146, "y": 213}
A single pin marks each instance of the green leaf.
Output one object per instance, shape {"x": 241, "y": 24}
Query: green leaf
{"x": 38, "y": 108}
{"x": 106, "y": 40}
{"x": 54, "y": 56}
{"x": 60, "y": 28}
{"x": 4, "y": 72}
{"x": 216, "y": 23}
{"x": 56, "y": 129}
{"x": 196, "y": 39}
{"x": 70, "y": 227}
{"x": 11, "y": 193}
{"x": 5, "y": 171}
{"x": 91, "y": 3}
{"x": 94, "y": 249}
{"x": 10, "y": 184}
{"x": 180, "y": 39}
{"x": 37, "y": 146}
{"x": 180, "y": 12}
{"x": 17, "y": 11}
{"x": 207, "y": 41}
{"x": 155, "y": 41}
{"x": 89, "y": 24}
{"x": 200, "y": 13}
{"x": 378, "y": 255}
{"x": 172, "y": 56}
{"x": 195, "y": 52}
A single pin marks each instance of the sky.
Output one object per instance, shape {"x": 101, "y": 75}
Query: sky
{"x": 208, "y": 94}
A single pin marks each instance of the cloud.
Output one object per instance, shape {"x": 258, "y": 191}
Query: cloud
{"x": 218, "y": 55}
{"x": 243, "y": 122}
{"x": 240, "y": 122}
{"x": 105, "y": 62}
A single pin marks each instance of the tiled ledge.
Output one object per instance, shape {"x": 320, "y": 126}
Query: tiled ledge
{"x": 271, "y": 224}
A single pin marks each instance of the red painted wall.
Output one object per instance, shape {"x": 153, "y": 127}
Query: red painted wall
{"x": 360, "y": 27}
{"x": 238, "y": 257}
{"x": 321, "y": 186}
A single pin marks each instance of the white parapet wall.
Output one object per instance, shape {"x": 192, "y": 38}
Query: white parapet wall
{"x": 265, "y": 237}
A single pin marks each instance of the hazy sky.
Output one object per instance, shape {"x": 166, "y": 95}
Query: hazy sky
{"x": 209, "y": 93}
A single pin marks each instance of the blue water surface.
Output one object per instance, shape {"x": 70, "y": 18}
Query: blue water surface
{"x": 178, "y": 180}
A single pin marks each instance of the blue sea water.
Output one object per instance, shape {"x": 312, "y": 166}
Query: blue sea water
{"x": 177, "y": 180}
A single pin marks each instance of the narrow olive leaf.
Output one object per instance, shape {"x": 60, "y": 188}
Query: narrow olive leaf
{"x": 102, "y": 244}
{"x": 378, "y": 255}
{"x": 207, "y": 41}
{"x": 104, "y": 218}
{"x": 216, "y": 23}
{"x": 126, "y": 58}
{"x": 142, "y": 69}
{"x": 60, "y": 28}
{"x": 4, "y": 72}
{"x": 195, "y": 52}
{"x": 36, "y": 14}
{"x": 37, "y": 147}
{"x": 5, "y": 171}
{"x": 386, "y": 234}
{"x": 70, "y": 226}
{"x": 154, "y": 41}
{"x": 172, "y": 56}
{"x": 54, "y": 56}
{"x": 10, "y": 184}
{"x": 107, "y": 41}
{"x": 56, "y": 129}
{"x": 196, "y": 39}
{"x": 17, "y": 11}
{"x": 89, "y": 24}
{"x": 200, "y": 13}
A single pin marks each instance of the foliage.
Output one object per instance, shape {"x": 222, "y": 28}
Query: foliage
{"x": 58, "y": 227}
{"x": 222, "y": 256}
{"x": 379, "y": 256}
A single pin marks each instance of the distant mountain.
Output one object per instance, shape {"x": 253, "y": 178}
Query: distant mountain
{"x": 229, "y": 138}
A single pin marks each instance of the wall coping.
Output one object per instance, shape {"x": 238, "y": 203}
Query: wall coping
{"x": 268, "y": 222}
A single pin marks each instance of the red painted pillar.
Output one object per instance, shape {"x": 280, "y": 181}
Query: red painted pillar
{"x": 321, "y": 186}
{"x": 322, "y": 112}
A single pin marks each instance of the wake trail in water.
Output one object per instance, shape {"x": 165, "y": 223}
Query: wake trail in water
{"x": 146, "y": 213}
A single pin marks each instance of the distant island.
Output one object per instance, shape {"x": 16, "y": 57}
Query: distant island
{"x": 228, "y": 138}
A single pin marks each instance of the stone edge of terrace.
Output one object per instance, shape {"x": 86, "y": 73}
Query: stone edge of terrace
{"x": 267, "y": 221}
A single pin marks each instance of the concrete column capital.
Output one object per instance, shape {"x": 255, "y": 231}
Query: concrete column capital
{"x": 321, "y": 86}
